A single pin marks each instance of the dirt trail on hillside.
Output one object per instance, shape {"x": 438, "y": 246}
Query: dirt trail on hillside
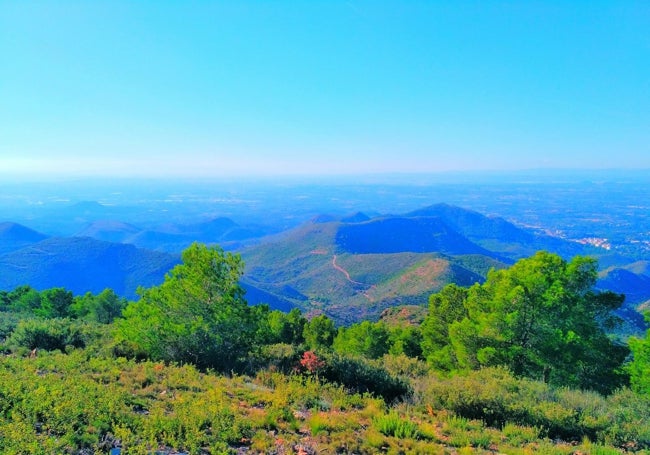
{"x": 347, "y": 277}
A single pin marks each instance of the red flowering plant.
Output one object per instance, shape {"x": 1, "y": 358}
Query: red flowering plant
{"x": 311, "y": 362}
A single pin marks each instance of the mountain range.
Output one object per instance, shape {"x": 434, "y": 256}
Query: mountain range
{"x": 172, "y": 237}
{"x": 348, "y": 267}
{"x": 355, "y": 267}
{"x": 82, "y": 264}
{"x": 14, "y": 236}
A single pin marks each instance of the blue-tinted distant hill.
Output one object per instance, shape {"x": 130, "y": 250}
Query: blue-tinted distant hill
{"x": 632, "y": 280}
{"x": 174, "y": 238}
{"x": 82, "y": 264}
{"x": 404, "y": 234}
{"x": 358, "y": 217}
{"x": 15, "y": 236}
{"x": 109, "y": 231}
{"x": 350, "y": 267}
{"x": 498, "y": 235}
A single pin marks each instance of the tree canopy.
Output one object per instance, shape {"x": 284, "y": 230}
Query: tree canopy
{"x": 639, "y": 368}
{"x": 541, "y": 318}
{"x": 198, "y": 314}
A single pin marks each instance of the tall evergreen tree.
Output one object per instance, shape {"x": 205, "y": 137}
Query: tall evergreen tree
{"x": 541, "y": 318}
{"x": 197, "y": 315}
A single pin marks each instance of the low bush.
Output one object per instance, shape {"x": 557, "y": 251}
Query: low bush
{"x": 392, "y": 424}
{"x": 53, "y": 334}
{"x": 360, "y": 376}
{"x": 499, "y": 399}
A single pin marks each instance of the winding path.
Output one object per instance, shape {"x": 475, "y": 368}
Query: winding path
{"x": 346, "y": 273}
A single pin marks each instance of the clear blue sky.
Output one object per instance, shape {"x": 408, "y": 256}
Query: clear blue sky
{"x": 165, "y": 88}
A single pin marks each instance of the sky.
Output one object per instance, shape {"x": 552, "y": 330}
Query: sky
{"x": 272, "y": 87}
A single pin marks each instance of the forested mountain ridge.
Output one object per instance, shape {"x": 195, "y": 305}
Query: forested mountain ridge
{"x": 349, "y": 267}
{"x": 14, "y": 236}
{"x": 353, "y": 267}
{"x": 312, "y": 267}
{"x": 82, "y": 264}
{"x": 498, "y": 235}
{"x": 172, "y": 237}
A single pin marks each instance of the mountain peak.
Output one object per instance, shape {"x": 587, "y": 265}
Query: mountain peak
{"x": 358, "y": 217}
{"x": 14, "y": 232}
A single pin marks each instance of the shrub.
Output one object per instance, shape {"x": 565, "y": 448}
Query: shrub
{"x": 360, "y": 376}
{"x": 519, "y": 435}
{"x": 501, "y": 400}
{"x": 280, "y": 357}
{"x": 392, "y": 424}
{"x": 51, "y": 334}
{"x": 8, "y": 323}
{"x": 311, "y": 362}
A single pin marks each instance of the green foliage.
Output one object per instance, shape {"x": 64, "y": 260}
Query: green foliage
{"x": 519, "y": 435}
{"x": 86, "y": 403}
{"x": 8, "y": 323}
{"x": 361, "y": 376}
{"x": 55, "y": 303}
{"x": 60, "y": 303}
{"x": 445, "y": 307}
{"x": 286, "y": 327}
{"x": 322, "y": 422}
{"x": 523, "y": 319}
{"x": 279, "y": 357}
{"x": 499, "y": 399}
{"x": 392, "y": 424}
{"x": 540, "y": 318}
{"x": 23, "y": 299}
{"x": 51, "y": 334}
{"x": 405, "y": 367}
{"x": 103, "y": 308}
{"x": 365, "y": 339}
{"x": 639, "y": 368}
{"x": 197, "y": 315}
{"x": 373, "y": 340}
{"x": 73, "y": 403}
{"x": 319, "y": 332}
{"x": 405, "y": 340}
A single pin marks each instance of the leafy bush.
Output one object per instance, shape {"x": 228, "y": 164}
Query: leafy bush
{"x": 198, "y": 315}
{"x": 541, "y": 318}
{"x": 311, "y": 362}
{"x": 8, "y": 323}
{"x": 361, "y": 376}
{"x": 496, "y": 397}
{"x": 392, "y": 424}
{"x": 403, "y": 366}
{"x": 519, "y": 435}
{"x": 277, "y": 357}
{"x": 51, "y": 334}
{"x": 81, "y": 402}
{"x": 639, "y": 368}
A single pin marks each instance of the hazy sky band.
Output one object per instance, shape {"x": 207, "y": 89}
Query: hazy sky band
{"x": 218, "y": 88}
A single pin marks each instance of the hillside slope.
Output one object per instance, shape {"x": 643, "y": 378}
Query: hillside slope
{"x": 172, "y": 238}
{"x": 109, "y": 231}
{"x": 14, "y": 236}
{"x": 353, "y": 271}
{"x": 82, "y": 264}
{"x": 633, "y": 281}
{"x": 498, "y": 235}
{"x": 356, "y": 266}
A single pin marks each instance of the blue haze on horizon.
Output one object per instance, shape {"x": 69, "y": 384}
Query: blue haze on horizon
{"x": 244, "y": 88}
